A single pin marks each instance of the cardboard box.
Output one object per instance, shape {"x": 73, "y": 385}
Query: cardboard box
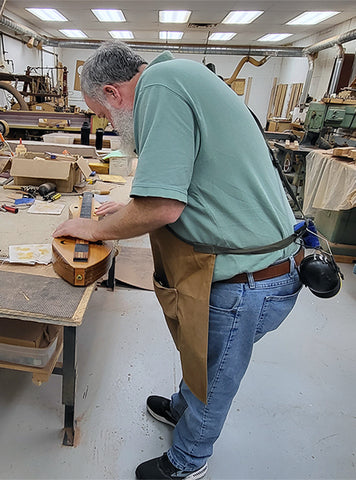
{"x": 42, "y": 147}
{"x": 35, "y": 169}
{"x": 27, "y": 343}
{"x": 25, "y": 334}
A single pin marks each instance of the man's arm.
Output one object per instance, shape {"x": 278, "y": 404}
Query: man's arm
{"x": 139, "y": 216}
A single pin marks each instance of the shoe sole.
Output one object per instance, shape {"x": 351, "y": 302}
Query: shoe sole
{"x": 159, "y": 418}
{"x": 198, "y": 474}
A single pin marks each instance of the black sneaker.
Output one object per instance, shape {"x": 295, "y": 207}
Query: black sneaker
{"x": 159, "y": 408}
{"x": 160, "y": 468}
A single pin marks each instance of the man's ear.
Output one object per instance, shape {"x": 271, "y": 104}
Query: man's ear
{"x": 112, "y": 95}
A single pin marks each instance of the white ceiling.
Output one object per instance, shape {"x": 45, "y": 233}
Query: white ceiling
{"x": 142, "y": 18}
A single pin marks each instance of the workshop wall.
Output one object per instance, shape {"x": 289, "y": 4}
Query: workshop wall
{"x": 286, "y": 70}
{"x": 20, "y": 56}
{"x": 293, "y": 69}
{"x": 261, "y": 77}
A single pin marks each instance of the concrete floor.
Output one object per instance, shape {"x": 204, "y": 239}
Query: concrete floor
{"x": 293, "y": 418}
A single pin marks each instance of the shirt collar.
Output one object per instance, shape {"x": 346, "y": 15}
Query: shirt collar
{"x": 162, "y": 57}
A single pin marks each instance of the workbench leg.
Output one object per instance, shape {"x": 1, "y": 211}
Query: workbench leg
{"x": 69, "y": 383}
{"x": 111, "y": 275}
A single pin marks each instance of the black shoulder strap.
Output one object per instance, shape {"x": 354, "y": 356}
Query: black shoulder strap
{"x": 277, "y": 165}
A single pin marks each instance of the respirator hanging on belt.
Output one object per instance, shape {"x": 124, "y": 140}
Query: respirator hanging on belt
{"x": 317, "y": 271}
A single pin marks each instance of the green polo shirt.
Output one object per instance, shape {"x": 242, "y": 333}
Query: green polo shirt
{"x": 197, "y": 143}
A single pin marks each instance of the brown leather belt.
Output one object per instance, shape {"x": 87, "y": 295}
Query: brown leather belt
{"x": 272, "y": 271}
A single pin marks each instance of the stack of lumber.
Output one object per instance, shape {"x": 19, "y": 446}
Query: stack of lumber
{"x": 345, "y": 152}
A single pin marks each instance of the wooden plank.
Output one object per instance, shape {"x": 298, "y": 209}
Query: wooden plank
{"x": 280, "y": 99}
{"x": 297, "y": 89}
{"x": 42, "y": 376}
{"x": 134, "y": 266}
{"x": 272, "y": 98}
{"x": 248, "y": 90}
{"x": 284, "y": 92}
{"x": 277, "y": 100}
{"x": 345, "y": 258}
{"x": 345, "y": 101}
{"x": 291, "y": 99}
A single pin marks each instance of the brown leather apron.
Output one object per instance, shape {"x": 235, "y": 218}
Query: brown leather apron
{"x": 182, "y": 283}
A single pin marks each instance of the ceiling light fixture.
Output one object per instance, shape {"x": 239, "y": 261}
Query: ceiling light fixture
{"x": 222, "y": 36}
{"x": 242, "y": 17}
{"x": 123, "y": 34}
{"x": 311, "y": 18}
{"x": 170, "y": 35}
{"x": 73, "y": 33}
{"x": 174, "y": 16}
{"x": 274, "y": 37}
{"x": 109, "y": 15}
{"x": 47, "y": 14}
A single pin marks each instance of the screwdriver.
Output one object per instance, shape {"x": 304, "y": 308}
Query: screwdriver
{"x": 9, "y": 209}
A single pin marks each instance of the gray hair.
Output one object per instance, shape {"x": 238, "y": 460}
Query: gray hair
{"x": 113, "y": 62}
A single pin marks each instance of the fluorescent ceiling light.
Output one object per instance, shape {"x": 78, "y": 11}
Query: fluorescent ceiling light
{"x": 48, "y": 14}
{"x": 73, "y": 33}
{"x": 174, "y": 16}
{"x": 121, "y": 34}
{"x": 109, "y": 15}
{"x": 222, "y": 36}
{"x": 170, "y": 35}
{"x": 274, "y": 37}
{"x": 242, "y": 16}
{"x": 311, "y": 18}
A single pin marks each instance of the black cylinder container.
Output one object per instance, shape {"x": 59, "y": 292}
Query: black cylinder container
{"x": 99, "y": 138}
{"x": 85, "y": 133}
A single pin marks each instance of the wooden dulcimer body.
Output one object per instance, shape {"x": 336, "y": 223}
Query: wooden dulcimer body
{"x": 77, "y": 261}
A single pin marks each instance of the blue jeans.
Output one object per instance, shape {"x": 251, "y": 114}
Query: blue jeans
{"x": 240, "y": 314}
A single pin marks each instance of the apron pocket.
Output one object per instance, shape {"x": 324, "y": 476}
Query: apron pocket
{"x": 167, "y": 297}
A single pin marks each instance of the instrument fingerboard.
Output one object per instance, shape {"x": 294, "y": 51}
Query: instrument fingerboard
{"x": 85, "y": 211}
{"x": 81, "y": 249}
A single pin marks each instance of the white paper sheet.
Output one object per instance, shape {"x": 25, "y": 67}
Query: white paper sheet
{"x": 47, "y": 208}
{"x": 31, "y": 254}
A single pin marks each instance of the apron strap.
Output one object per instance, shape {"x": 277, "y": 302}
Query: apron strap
{"x": 217, "y": 249}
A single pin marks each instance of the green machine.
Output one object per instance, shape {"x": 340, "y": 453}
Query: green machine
{"x": 327, "y": 123}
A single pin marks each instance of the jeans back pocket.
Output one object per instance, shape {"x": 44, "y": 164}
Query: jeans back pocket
{"x": 274, "y": 310}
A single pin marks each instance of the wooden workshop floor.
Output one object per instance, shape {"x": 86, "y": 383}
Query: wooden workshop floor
{"x": 294, "y": 417}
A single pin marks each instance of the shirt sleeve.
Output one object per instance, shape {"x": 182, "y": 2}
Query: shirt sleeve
{"x": 166, "y": 138}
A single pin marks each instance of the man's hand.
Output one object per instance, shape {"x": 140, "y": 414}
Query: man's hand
{"x": 78, "y": 228}
{"x": 108, "y": 208}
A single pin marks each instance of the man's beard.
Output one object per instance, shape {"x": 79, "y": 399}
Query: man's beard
{"x": 122, "y": 122}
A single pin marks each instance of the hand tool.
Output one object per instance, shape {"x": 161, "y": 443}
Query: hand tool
{"x": 2, "y": 139}
{"x": 8, "y": 208}
{"x": 52, "y": 196}
{"x": 46, "y": 188}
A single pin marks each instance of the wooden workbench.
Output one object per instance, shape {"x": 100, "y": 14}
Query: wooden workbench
{"x": 36, "y": 293}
